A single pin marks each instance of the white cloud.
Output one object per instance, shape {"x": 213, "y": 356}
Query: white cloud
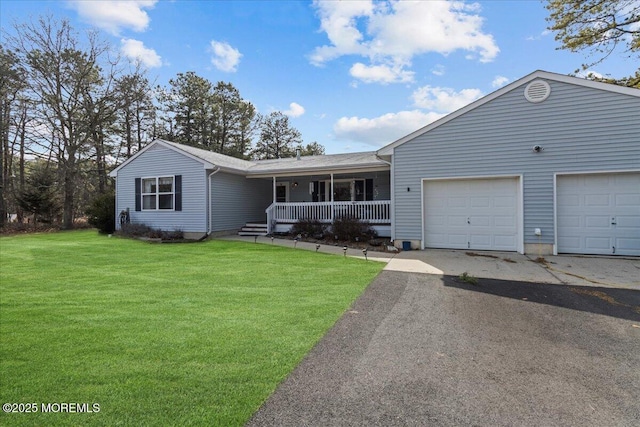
{"x": 136, "y": 51}
{"x": 382, "y": 130}
{"x": 538, "y": 37}
{"x": 295, "y": 110}
{"x": 499, "y": 81}
{"x": 394, "y": 32}
{"x": 114, "y": 15}
{"x": 339, "y": 21}
{"x": 588, "y": 74}
{"x": 224, "y": 57}
{"x": 443, "y": 99}
{"x": 438, "y": 70}
{"x": 380, "y": 74}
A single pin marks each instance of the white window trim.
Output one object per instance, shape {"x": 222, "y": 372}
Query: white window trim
{"x": 158, "y": 193}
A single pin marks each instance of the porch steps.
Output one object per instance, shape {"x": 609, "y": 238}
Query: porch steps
{"x": 253, "y": 229}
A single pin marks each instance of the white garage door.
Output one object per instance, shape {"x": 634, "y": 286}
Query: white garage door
{"x": 599, "y": 214}
{"x": 471, "y": 214}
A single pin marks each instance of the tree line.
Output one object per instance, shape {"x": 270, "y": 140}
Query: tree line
{"x": 71, "y": 110}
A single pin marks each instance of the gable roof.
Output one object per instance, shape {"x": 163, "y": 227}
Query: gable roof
{"x": 388, "y": 149}
{"x": 259, "y": 168}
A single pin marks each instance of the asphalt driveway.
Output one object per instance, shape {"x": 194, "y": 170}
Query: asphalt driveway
{"x": 430, "y": 350}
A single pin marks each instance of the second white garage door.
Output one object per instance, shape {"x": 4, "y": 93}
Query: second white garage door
{"x": 479, "y": 214}
{"x": 599, "y": 214}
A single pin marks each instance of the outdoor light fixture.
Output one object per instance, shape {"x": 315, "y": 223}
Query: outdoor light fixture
{"x": 344, "y": 248}
{"x": 295, "y": 184}
{"x": 317, "y": 247}
{"x": 295, "y": 242}
{"x": 364, "y": 251}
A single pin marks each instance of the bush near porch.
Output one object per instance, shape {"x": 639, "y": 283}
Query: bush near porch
{"x": 345, "y": 230}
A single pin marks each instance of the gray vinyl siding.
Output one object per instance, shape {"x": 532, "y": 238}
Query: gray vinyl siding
{"x": 160, "y": 161}
{"x": 581, "y": 129}
{"x": 236, "y": 200}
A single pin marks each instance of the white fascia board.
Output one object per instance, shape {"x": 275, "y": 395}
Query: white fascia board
{"x": 319, "y": 171}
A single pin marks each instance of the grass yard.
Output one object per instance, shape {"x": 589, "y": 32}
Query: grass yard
{"x": 159, "y": 334}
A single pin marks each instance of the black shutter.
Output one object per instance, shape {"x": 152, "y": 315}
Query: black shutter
{"x": 178, "y": 192}
{"x": 321, "y": 196}
{"x": 368, "y": 195}
{"x": 314, "y": 194}
{"x": 138, "y": 194}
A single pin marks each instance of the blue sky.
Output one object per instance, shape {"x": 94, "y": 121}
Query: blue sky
{"x": 351, "y": 75}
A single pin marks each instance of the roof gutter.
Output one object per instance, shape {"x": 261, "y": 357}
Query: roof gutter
{"x": 382, "y": 160}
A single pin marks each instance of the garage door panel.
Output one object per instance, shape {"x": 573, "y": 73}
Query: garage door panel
{"x": 627, "y": 199}
{"x": 476, "y": 221}
{"x": 568, "y": 200}
{"x": 600, "y": 221}
{"x": 456, "y": 221}
{"x": 504, "y": 242}
{"x": 630, "y": 222}
{"x": 481, "y": 214}
{"x": 457, "y": 202}
{"x": 481, "y": 241}
{"x": 455, "y": 240}
{"x": 627, "y": 180}
{"x": 480, "y": 202}
{"x": 597, "y": 243}
{"x": 627, "y": 244}
{"x": 596, "y": 200}
{"x": 504, "y": 202}
{"x": 599, "y": 213}
{"x": 569, "y": 221}
{"x": 505, "y": 221}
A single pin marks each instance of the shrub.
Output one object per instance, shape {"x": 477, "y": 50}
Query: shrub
{"x": 142, "y": 230}
{"x": 101, "y": 213}
{"x": 309, "y": 228}
{"x": 352, "y": 229}
{"x": 136, "y": 230}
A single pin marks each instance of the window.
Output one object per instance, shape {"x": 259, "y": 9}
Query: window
{"x": 352, "y": 190}
{"x": 158, "y": 193}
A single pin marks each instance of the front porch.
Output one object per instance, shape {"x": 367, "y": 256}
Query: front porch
{"x": 324, "y": 188}
{"x": 282, "y": 215}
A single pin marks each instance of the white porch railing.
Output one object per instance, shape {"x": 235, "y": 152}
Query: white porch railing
{"x": 373, "y": 212}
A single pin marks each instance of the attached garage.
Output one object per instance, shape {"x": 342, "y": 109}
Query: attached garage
{"x": 598, "y": 213}
{"x": 479, "y": 213}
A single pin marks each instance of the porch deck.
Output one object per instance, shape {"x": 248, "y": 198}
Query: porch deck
{"x": 375, "y": 212}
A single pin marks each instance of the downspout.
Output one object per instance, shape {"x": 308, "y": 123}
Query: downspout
{"x": 209, "y": 202}
{"x": 392, "y": 207}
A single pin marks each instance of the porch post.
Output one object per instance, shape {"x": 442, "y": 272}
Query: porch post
{"x": 332, "y": 206}
{"x": 274, "y": 189}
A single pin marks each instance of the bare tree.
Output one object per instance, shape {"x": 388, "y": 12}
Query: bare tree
{"x": 67, "y": 84}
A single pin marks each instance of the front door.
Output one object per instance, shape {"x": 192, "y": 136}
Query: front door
{"x": 282, "y": 192}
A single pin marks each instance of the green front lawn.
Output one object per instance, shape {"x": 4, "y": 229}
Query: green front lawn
{"x": 160, "y": 334}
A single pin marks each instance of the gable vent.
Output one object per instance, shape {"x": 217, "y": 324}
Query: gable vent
{"x": 537, "y": 91}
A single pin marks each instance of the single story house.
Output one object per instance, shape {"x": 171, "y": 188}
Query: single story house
{"x": 547, "y": 164}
